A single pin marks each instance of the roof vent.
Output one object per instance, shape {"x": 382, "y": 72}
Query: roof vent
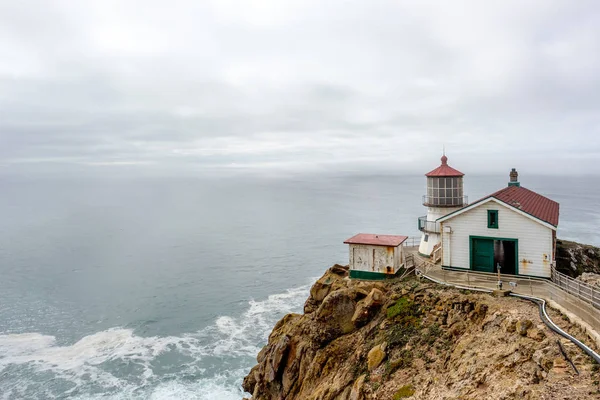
{"x": 514, "y": 178}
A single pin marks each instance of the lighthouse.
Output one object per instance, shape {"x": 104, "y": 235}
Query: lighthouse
{"x": 444, "y": 195}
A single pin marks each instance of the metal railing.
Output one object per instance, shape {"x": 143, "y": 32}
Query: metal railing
{"x": 437, "y": 201}
{"x": 581, "y": 290}
{"x": 428, "y": 226}
{"x": 412, "y": 241}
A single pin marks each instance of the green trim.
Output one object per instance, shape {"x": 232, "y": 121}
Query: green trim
{"x": 479, "y": 272}
{"x": 450, "y": 268}
{"x": 424, "y": 255}
{"x": 492, "y": 224}
{"x": 518, "y": 184}
{"x": 495, "y": 238}
{"x": 374, "y": 276}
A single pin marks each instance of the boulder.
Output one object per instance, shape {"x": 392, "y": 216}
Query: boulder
{"x": 367, "y": 308}
{"x": 522, "y": 326}
{"x": 332, "y": 280}
{"x": 341, "y": 270}
{"x": 376, "y": 356}
{"x": 337, "y": 310}
{"x": 536, "y": 334}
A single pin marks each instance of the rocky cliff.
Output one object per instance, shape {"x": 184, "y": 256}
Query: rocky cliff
{"x": 574, "y": 259}
{"x": 410, "y": 339}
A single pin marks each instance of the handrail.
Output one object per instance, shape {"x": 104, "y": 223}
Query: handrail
{"x": 437, "y": 201}
{"x": 428, "y": 226}
{"x": 412, "y": 241}
{"x": 584, "y": 291}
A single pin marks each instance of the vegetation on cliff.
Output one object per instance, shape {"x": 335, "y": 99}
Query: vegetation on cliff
{"x": 360, "y": 340}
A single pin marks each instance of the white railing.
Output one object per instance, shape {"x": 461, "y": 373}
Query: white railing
{"x": 412, "y": 241}
{"x": 437, "y": 201}
{"x": 581, "y": 290}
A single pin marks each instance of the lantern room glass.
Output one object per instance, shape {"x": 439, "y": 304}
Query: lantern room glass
{"x": 445, "y": 191}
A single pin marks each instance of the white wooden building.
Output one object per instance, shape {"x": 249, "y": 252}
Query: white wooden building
{"x": 375, "y": 256}
{"x": 514, "y": 228}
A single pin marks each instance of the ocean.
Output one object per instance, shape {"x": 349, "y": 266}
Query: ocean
{"x": 167, "y": 288}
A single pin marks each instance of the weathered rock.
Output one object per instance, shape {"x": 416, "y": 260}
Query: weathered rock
{"x": 341, "y": 270}
{"x": 590, "y": 278}
{"x": 331, "y": 281}
{"x": 367, "y": 308}
{"x": 574, "y": 259}
{"x": 376, "y": 356}
{"x": 536, "y": 334}
{"x": 522, "y": 326}
{"x": 277, "y": 354}
{"x": 328, "y": 353}
{"x": 250, "y": 380}
{"x": 356, "y": 393}
{"x": 337, "y": 310}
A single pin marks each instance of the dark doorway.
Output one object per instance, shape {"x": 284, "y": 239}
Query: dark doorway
{"x": 505, "y": 256}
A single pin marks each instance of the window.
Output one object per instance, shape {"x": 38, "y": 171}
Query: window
{"x": 445, "y": 191}
{"x": 493, "y": 219}
{"x": 426, "y": 238}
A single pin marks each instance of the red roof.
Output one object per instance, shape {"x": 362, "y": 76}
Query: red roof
{"x": 529, "y": 202}
{"x": 376, "y": 240}
{"x": 444, "y": 170}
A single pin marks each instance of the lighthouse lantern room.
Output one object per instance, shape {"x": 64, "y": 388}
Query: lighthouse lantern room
{"x": 444, "y": 195}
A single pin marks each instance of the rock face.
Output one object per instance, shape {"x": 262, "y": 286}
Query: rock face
{"x": 573, "y": 259}
{"x": 410, "y": 339}
{"x": 590, "y": 278}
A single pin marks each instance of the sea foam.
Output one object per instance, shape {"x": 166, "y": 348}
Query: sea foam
{"x": 116, "y": 363}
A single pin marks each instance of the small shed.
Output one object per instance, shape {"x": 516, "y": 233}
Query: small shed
{"x": 375, "y": 256}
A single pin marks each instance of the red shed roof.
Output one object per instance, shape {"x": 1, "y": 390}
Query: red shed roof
{"x": 529, "y": 202}
{"x": 444, "y": 170}
{"x": 376, "y": 240}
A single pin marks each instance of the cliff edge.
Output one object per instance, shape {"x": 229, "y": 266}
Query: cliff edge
{"x": 360, "y": 340}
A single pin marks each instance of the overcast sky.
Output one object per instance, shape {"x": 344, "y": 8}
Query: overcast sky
{"x": 197, "y": 86}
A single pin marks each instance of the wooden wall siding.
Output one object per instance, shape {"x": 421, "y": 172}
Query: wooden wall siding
{"x": 374, "y": 258}
{"x": 535, "y": 240}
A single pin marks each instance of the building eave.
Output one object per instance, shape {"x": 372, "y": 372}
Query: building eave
{"x": 509, "y": 206}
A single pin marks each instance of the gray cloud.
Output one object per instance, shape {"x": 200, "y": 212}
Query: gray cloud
{"x": 186, "y": 86}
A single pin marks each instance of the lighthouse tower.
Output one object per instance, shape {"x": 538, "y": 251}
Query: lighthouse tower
{"x": 444, "y": 195}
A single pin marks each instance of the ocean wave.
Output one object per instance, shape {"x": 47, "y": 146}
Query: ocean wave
{"x": 116, "y": 363}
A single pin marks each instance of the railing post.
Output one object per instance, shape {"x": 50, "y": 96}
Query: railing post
{"x": 530, "y": 286}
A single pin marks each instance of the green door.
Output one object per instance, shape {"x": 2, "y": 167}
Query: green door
{"x": 483, "y": 255}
